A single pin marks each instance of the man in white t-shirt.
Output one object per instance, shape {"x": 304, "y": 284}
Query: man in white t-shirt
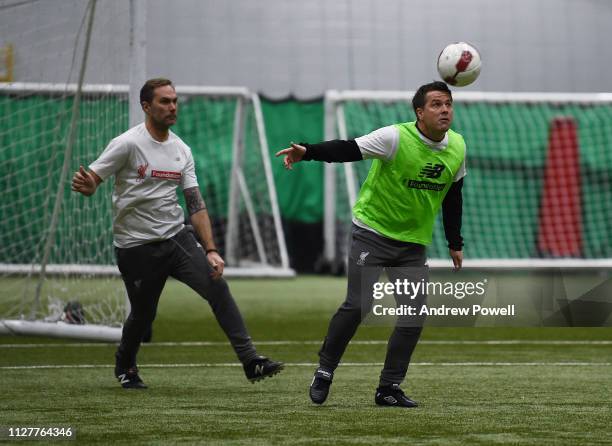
{"x": 151, "y": 241}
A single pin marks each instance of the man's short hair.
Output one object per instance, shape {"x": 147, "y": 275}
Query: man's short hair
{"x": 146, "y": 92}
{"x": 418, "y": 100}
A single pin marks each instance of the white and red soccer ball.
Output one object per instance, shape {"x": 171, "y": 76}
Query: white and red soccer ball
{"x": 459, "y": 64}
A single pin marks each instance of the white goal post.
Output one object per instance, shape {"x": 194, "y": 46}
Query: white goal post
{"x": 225, "y": 129}
{"x": 261, "y": 263}
{"x": 56, "y": 247}
{"x": 508, "y": 137}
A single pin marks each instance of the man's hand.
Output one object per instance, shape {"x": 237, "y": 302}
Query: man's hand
{"x": 293, "y": 154}
{"x": 85, "y": 182}
{"x": 217, "y": 263}
{"x": 457, "y": 257}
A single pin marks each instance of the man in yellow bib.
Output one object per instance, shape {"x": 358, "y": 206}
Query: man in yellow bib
{"x": 418, "y": 168}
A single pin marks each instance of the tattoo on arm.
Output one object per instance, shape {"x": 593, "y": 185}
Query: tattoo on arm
{"x": 194, "y": 200}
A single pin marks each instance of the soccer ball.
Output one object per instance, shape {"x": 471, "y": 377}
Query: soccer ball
{"x": 73, "y": 313}
{"x": 459, "y": 64}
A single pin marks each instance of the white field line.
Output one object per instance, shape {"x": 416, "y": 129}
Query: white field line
{"x": 313, "y": 364}
{"x": 379, "y": 342}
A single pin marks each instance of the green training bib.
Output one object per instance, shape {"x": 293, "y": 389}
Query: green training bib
{"x": 401, "y": 197}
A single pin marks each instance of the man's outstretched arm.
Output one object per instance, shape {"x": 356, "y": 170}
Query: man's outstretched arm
{"x": 335, "y": 151}
{"x": 200, "y": 221}
{"x": 85, "y": 182}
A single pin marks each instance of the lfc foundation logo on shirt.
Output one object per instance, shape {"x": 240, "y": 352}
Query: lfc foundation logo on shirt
{"x": 166, "y": 174}
{"x": 142, "y": 171}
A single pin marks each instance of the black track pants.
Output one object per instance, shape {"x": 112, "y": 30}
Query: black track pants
{"x": 146, "y": 268}
{"x": 370, "y": 253}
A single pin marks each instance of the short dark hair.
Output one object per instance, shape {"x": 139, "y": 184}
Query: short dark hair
{"x": 418, "y": 100}
{"x": 146, "y": 92}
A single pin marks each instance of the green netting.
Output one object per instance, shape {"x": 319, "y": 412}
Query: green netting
{"x": 198, "y": 125}
{"x": 507, "y": 148}
{"x": 207, "y": 126}
{"x": 32, "y": 144}
{"x": 33, "y": 140}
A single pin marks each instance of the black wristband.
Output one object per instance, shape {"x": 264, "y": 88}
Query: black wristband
{"x": 208, "y": 251}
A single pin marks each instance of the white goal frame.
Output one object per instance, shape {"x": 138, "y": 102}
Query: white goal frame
{"x": 335, "y": 128}
{"x": 239, "y": 196}
{"x": 237, "y": 187}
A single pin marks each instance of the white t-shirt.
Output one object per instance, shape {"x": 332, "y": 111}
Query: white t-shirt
{"x": 382, "y": 144}
{"x": 147, "y": 173}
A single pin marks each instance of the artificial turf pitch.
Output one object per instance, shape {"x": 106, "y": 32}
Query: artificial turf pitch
{"x": 475, "y": 385}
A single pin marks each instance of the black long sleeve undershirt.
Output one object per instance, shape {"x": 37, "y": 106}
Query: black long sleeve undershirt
{"x": 452, "y": 209}
{"x": 335, "y": 151}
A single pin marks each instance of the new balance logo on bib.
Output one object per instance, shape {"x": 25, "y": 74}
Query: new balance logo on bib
{"x": 431, "y": 170}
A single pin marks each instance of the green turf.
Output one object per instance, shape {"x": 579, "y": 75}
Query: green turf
{"x": 196, "y": 397}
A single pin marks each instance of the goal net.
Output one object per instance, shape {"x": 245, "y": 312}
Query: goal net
{"x": 538, "y": 192}
{"x": 57, "y": 268}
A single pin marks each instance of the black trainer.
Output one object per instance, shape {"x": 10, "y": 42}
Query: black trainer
{"x": 393, "y": 396}
{"x": 319, "y": 388}
{"x": 129, "y": 379}
{"x": 261, "y": 367}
